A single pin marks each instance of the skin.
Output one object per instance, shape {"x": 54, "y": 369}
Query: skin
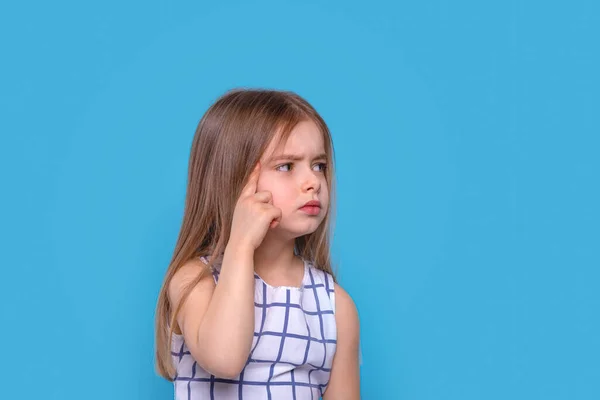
{"x": 217, "y": 321}
{"x": 291, "y": 183}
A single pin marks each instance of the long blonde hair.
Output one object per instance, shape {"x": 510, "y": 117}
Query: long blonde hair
{"x": 228, "y": 142}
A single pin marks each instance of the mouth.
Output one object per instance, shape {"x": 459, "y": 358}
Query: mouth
{"x": 311, "y": 208}
{"x": 313, "y": 203}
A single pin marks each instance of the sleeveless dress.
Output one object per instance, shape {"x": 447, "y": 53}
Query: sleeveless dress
{"x": 292, "y": 350}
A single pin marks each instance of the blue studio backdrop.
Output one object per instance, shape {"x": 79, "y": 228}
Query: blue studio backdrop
{"x": 467, "y": 144}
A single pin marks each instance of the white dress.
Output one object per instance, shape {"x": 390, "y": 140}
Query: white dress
{"x": 292, "y": 350}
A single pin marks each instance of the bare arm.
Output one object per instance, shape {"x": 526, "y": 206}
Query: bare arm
{"x": 217, "y": 322}
{"x": 344, "y": 382}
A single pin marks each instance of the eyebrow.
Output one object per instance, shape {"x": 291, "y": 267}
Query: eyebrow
{"x": 294, "y": 157}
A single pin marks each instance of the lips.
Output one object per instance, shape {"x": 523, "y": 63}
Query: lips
{"x": 313, "y": 208}
{"x": 313, "y": 203}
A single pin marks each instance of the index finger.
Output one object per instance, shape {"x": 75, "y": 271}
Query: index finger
{"x": 252, "y": 183}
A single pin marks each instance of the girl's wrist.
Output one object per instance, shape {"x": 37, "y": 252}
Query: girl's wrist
{"x": 239, "y": 249}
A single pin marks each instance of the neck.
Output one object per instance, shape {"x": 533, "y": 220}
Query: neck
{"x": 275, "y": 255}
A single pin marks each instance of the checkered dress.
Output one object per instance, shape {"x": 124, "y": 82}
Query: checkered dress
{"x": 292, "y": 349}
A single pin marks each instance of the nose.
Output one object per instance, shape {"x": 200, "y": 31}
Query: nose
{"x": 311, "y": 182}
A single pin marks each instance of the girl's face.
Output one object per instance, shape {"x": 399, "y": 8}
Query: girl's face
{"x": 295, "y": 174}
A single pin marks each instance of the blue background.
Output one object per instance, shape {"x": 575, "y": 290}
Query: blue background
{"x": 467, "y": 142}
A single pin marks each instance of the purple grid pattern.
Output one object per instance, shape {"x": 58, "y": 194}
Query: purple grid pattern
{"x": 275, "y": 360}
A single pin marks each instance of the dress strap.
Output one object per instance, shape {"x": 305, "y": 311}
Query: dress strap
{"x": 213, "y": 269}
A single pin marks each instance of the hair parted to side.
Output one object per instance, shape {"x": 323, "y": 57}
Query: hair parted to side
{"x": 229, "y": 140}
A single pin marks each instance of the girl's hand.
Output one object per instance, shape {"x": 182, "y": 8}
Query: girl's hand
{"x": 254, "y": 214}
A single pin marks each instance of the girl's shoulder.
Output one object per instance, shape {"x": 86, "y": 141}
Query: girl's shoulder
{"x": 191, "y": 272}
{"x": 187, "y": 273}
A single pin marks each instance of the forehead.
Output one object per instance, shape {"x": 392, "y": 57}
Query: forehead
{"x": 305, "y": 139}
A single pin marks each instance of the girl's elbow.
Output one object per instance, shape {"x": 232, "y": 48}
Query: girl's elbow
{"x": 222, "y": 366}
{"x": 228, "y": 372}
{"x": 222, "y": 359}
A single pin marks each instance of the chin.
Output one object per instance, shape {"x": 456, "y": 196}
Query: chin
{"x": 300, "y": 229}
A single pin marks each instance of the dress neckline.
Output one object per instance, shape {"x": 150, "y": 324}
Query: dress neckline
{"x": 296, "y": 288}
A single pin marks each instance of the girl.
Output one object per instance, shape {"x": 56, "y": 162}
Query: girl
{"x": 249, "y": 308}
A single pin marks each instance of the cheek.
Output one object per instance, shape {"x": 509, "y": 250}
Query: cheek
{"x": 283, "y": 199}
{"x": 278, "y": 189}
{"x": 265, "y": 183}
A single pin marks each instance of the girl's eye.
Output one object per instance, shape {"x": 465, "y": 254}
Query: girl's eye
{"x": 323, "y": 167}
{"x": 285, "y": 165}
{"x": 288, "y": 167}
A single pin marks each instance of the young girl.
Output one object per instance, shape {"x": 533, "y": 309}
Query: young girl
{"x": 249, "y": 308}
